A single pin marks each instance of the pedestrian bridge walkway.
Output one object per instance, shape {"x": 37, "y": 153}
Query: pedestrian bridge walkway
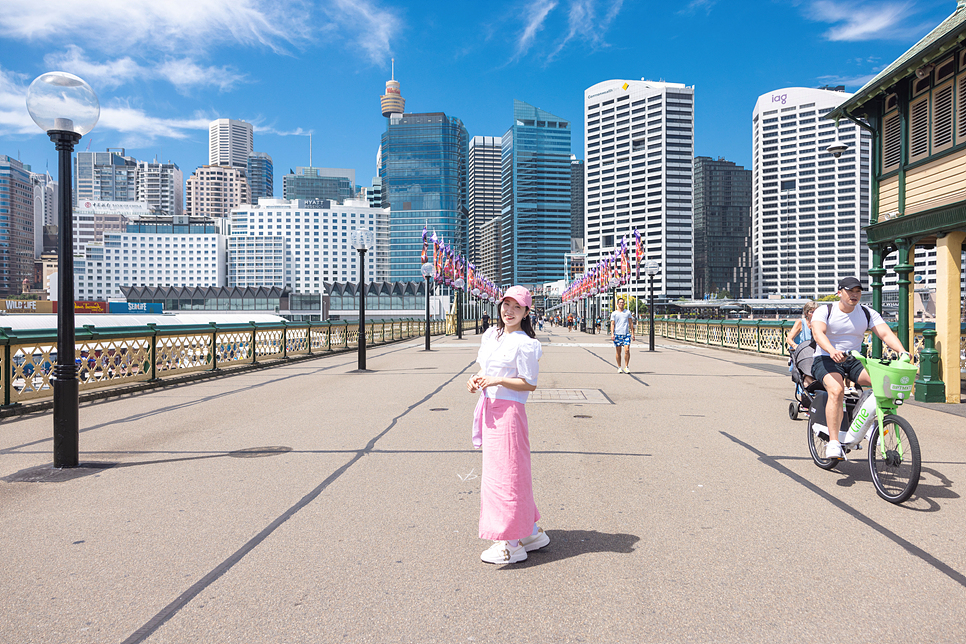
{"x": 310, "y": 502}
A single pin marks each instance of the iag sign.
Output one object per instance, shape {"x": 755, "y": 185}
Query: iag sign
{"x": 779, "y": 98}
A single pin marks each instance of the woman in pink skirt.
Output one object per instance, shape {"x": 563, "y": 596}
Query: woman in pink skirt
{"x": 508, "y": 373}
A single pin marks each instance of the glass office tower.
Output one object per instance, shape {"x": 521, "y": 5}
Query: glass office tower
{"x": 722, "y": 228}
{"x": 423, "y": 170}
{"x": 536, "y": 197}
{"x": 261, "y": 176}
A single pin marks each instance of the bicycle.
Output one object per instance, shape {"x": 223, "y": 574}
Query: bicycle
{"x": 894, "y": 458}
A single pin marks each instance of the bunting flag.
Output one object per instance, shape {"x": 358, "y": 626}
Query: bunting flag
{"x": 423, "y": 257}
{"x": 640, "y": 251}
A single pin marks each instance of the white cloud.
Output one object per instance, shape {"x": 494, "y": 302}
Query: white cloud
{"x": 14, "y": 118}
{"x": 158, "y": 26}
{"x": 372, "y": 27}
{"x": 183, "y": 73}
{"x": 698, "y": 5}
{"x": 538, "y": 13}
{"x": 856, "y": 22}
{"x": 854, "y": 82}
{"x": 126, "y": 119}
{"x": 583, "y": 24}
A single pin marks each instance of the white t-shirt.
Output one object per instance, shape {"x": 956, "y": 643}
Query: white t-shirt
{"x": 845, "y": 330}
{"x": 620, "y": 320}
{"x": 512, "y": 355}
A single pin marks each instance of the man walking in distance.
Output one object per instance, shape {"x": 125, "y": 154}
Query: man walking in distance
{"x": 622, "y": 333}
{"x": 838, "y": 329}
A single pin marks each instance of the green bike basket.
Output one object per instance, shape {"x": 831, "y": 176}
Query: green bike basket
{"x": 894, "y": 380}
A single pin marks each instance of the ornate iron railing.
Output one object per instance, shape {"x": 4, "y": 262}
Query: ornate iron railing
{"x": 760, "y": 336}
{"x": 115, "y": 356}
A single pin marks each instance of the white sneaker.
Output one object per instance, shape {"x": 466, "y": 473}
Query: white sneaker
{"x": 627, "y": 370}
{"x": 501, "y": 552}
{"x": 834, "y": 450}
{"x": 536, "y": 541}
{"x": 620, "y": 369}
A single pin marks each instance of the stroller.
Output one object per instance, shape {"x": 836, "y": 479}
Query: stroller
{"x": 800, "y": 365}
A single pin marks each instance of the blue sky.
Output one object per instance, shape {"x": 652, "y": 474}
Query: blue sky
{"x": 163, "y": 70}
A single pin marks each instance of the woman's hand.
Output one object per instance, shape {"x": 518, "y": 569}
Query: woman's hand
{"x": 478, "y": 382}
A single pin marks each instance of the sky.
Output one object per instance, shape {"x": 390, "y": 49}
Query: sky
{"x": 164, "y": 69}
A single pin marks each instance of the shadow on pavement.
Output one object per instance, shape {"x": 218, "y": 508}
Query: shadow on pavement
{"x": 565, "y": 544}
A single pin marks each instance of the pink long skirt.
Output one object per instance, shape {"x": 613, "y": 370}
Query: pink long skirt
{"x": 507, "y": 509}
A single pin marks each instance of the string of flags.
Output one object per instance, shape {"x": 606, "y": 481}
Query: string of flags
{"x": 452, "y": 269}
{"x": 610, "y": 272}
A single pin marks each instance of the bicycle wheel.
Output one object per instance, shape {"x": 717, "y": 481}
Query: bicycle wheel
{"x": 895, "y": 475}
{"x": 816, "y": 447}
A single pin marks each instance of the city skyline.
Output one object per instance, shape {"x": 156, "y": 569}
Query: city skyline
{"x": 163, "y": 76}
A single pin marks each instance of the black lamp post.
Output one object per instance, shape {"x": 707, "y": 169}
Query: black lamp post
{"x": 652, "y": 268}
{"x": 427, "y": 270}
{"x": 459, "y": 284}
{"x": 362, "y": 240}
{"x": 66, "y": 108}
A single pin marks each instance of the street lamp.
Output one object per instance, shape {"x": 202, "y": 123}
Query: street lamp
{"x": 362, "y": 240}
{"x": 652, "y": 268}
{"x": 427, "y": 270}
{"x": 66, "y": 108}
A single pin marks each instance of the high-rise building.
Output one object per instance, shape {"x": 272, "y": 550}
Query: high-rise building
{"x": 161, "y": 187}
{"x": 536, "y": 196}
{"x": 491, "y": 261}
{"x": 212, "y": 191}
{"x": 45, "y": 207}
{"x": 423, "y": 170}
{"x": 105, "y": 176}
{"x": 576, "y": 199}
{"x": 639, "y": 139}
{"x": 303, "y": 244}
{"x": 229, "y": 143}
{"x": 261, "y": 175}
{"x": 94, "y": 219}
{"x": 16, "y": 226}
{"x": 153, "y": 251}
{"x": 374, "y": 194}
{"x": 335, "y": 184}
{"x": 722, "y": 228}
{"x": 809, "y": 206}
{"x": 484, "y": 190}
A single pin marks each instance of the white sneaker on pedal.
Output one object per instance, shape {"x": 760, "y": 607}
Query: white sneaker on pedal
{"x": 834, "y": 450}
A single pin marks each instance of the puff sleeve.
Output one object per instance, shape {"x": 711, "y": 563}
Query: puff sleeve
{"x": 527, "y": 363}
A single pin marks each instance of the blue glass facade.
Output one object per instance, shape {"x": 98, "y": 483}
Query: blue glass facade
{"x": 423, "y": 171}
{"x": 536, "y": 197}
{"x": 261, "y": 176}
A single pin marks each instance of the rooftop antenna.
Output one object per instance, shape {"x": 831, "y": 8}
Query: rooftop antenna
{"x": 310, "y": 149}
{"x": 393, "y": 68}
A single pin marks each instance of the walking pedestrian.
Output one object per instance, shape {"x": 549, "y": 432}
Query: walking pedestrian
{"x": 485, "y": 322}
{"x": 622, "y": 333}
{"x": 508, "y": 358}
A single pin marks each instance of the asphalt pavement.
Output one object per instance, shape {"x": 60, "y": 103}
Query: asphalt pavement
{"x": 310, "y": 502}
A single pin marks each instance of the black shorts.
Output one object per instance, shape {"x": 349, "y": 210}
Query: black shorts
{"x": 823, "y": 365}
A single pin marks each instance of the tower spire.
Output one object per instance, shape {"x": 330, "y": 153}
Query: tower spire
{"x": 392, "y": 101}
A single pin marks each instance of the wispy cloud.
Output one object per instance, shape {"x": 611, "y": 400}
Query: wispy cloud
{"x": 585, "y": 25}
{"x": 870, "y": 21}
{"x": 158, "y": 26}
{"x": 695, "y": 6}
{"x": 14, "y": 118}
{"x": 536, "y": 15}
{"x": 183, "y": 73}
{"x": 372, "y": 27}
{"x": 855, "y": 81}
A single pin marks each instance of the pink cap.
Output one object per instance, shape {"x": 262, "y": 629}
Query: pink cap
{"x": 521, "y": 295}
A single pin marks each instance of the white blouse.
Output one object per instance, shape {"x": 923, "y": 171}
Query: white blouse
{"x": 512, "y": 355}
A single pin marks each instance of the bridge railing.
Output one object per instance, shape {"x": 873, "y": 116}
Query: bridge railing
{"x": 759, "y": 336}
{"x": 116, "y": 356}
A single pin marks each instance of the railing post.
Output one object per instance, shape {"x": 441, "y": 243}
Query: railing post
{"x": 7, "y": 367}
{"x": 929, "y": 384}
{"x": 253, "y": 347}
{"x": 308, "y": 335}
{"x": 214, "y": 346}
{"x": 153, "y": 351}
{"x": 284, "y": 339}
{"x": 758, "y": 335}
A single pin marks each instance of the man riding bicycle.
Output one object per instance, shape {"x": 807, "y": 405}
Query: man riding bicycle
{"x": 839, "y": 329}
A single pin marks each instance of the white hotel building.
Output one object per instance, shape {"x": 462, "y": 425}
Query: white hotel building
{"x": 808, "y": 207}
{"x": 304, "y": 244}
{"x": 639, "y": 147}
{"x": 152, "y": 251}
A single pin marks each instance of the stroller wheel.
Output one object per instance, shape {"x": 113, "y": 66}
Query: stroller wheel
{"x": 793, "y": 410}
